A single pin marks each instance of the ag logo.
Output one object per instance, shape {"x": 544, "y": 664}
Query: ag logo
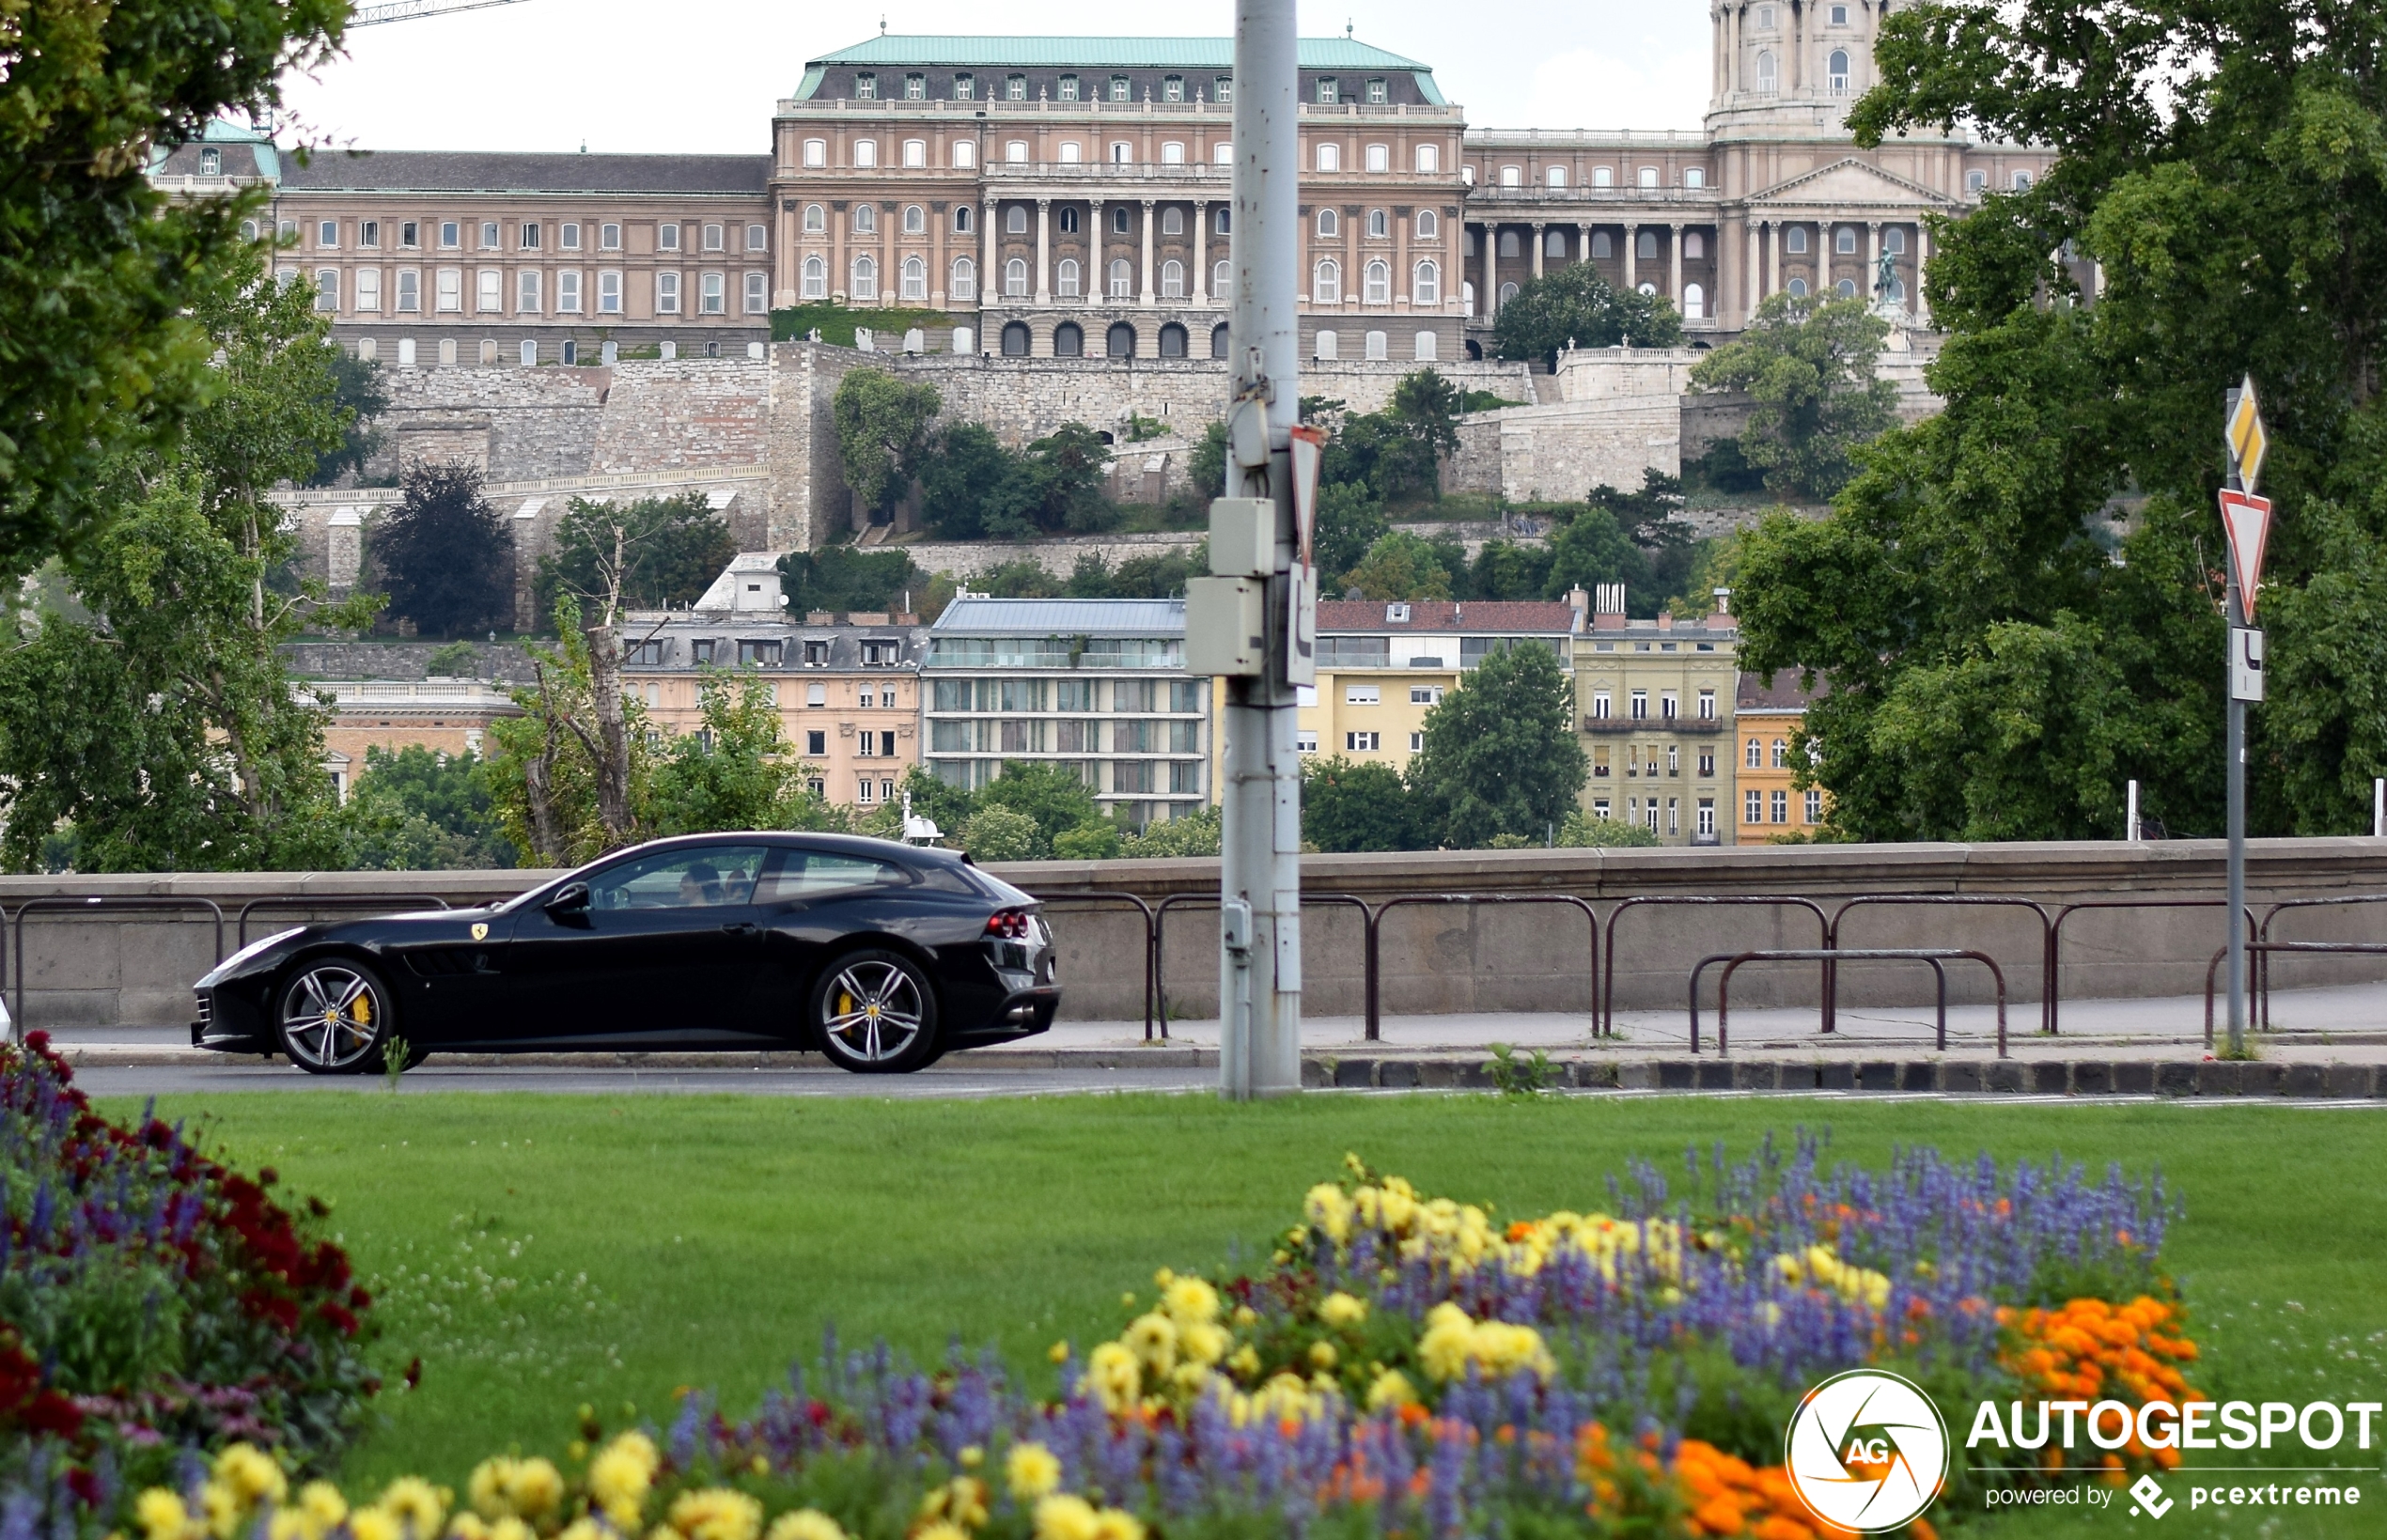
{"x": 1866, "y": 1450}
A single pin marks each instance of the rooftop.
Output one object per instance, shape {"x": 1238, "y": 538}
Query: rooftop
{"x": 1368, "y": 615}
{"x": 1102, "y": 52}
{"x": 977, "y": 616}
{"x": 1783, "y": 694}
{"x": 507, "y": 171}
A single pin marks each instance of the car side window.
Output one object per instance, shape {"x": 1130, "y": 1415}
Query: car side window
{"x": 811, "y": 874}
{"x": 710, "y": 877}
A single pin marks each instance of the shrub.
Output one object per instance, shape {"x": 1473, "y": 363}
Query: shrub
{"x": 999, "y": 834}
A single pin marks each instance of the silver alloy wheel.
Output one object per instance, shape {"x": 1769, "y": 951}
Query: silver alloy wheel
{"x": 331, "y": 1017}
{"x": 874, "y": 1010}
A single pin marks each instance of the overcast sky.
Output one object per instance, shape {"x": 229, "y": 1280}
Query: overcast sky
{"x": 638, "y": 75}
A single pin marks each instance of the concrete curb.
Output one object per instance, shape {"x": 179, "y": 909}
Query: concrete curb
{"x": 2203, "y": 1078}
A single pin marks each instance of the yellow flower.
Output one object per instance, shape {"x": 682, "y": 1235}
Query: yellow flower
{"x": 223, "y": 1507}
{"x": 585, "y": 1528}
{"x": 962, "y": 1500}
{"x": 290, "y": 1524}
{"x": 1246, "y": 1315}
{"x": 415, "y": 1503}
{"x": 716, "y": 1513}
{"x": 943, "y": 1529}
{"x": 376, "y": 1524}
{"x": 161, "y": 1516}
{"x": 1496, "y": 1349}
{"x": 1330, "y": 1209}
{"x": 468, "y": 1526}
{"x": 1114, "y": 1524}
{"x": 1246, "y": 1360}
{"x": 972, "y": 1456}
{"x": 1391, "y": 1389}
{"x": 1063, "y": 1516}
{"x": 1059, "y": 1351}
{"x": 1189, "y": 1301}
{"x": 805, "y": 1524}
{"x": 251, "y": 1474}
{"x": 1113, "y": 1374}
{"x": 1339, "y": 1309}
{"x": 322, "y": 1503}
{"x": 1153, "y": 1336}
{"x": 620, "y": 1476}
{"x": 1031, "y": 1471}
{"x": 1323, "y": 1355}
{"x": 510, "y": 1528}
{"x": 1203, "y": 1342}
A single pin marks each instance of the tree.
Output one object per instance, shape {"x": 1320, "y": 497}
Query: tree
{"x": 1097, "y": 839}
{"x": 1593, "y": 548}
{"x": 105, "y": 283}
{"x": 1402, "y": 565}
{"x": 1349, "y": 521}
{"x": 2003, "y": 652}
{"x": 968, "y": 466}
{"x": 543, "y": 775}
{"x": 1586, "y": 830}
{"x": 444, "y": 554}
{"x": 996, "y": 832}
{"x": 416, "y": 809}
{"x": 1359, "y": 805}
{"x": 1807, "y": 366}
{"x": 1506, "y": 569}
{"x": 844, "y": 578}
{"x": 1206, "y": 467}
{"x": 154, "y": 719}
{"x": 1576, "y": 307}
{"x": 735, "y": 772}
{"x": 356, "y": 390}
{"x": 1196, "y": 834}
{"x": 882, "y": 428}
{"x": 1501, "y": 755}
{"x": 1052, "y": 797}
{"x": 673, "y": 548}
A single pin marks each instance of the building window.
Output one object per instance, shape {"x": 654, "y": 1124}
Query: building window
{"x": 368, "y": 288}
{"x": 1814, "y": 807}
{"x": 1329, "y": 225}
{"x": 568, "y": 293}
{"x": 1602, "y": 176}
{"x": 1122, "y": 279}
{"x": 1753, "y": 808}
{"x": 569, "y": 237}
{"x": 1377, "y": 158}
{"x": 368, "y": 234}
{"x": 1780, "y": 802}
{"x": 916, "y": 88}
{"x": 1326, "y": 283}
{"x": 1556, "y": 176}
{"x": 865, "y": 219}
{"x": 1362, "y": 742}
{"x": 1304, "y": 741}
{"x": 1376, "y": 93}
{"x": 961, "y": 218}
{"x": 530, "y": 236}
{"x": 1328, "y": 91}
{"x": 490, "y": 295}
{"x": 1072, "y": 153}
{"x": 526, "y": 295}
{"x": 1601, "y": 248}
{"x": 1794, "y": 240}
{"x": 1222, "y": 279}
{"x": 327, "y": 290}
{"x": 410, "y": 235}
{"x": 1375, "y": 345}
{"x": 1427, "y": 347}
{"x": 1015, "y": 280}
{"x": 1067, "y": 89}
{"x": 1379, "y": 223}
{"x": 865, "y": 87}
{"x": 1599, "y": 700}
{"x": 1838, "y": 72}
{"x": 1068, "y": 340}
{"x": 1647, "y": 176}
{"x": 1377, "y": 284}
{"x": 666, "y": 237}
{"x": 1015, "y": 337}
{"x": 1425, "y": 286}
{"x": 1768, "y": 82}
{"x": 758, "y": 294}
{"x": 1707, "y": 706}
{"x": 1707, "y": 825}
{"x": 1976, "y": 182}
{"x": 666, "y": 294}
{"x": 1839, "y": 16}
{"x": 609, "y": 292}
{"x": 1640, "y": 705}
{"x": 1330, "y": 157}
{"x": 1429, "y": 227}
{"x": 1843, "y": 240}
{"x": 1173, "y": 87}
{"x": 1015, "y": 88}
{"x": 915, "y": 152}
{"x": 1429, "y": 159}
{"x": 914, "y": 278}
{"x": 1015, "y": 220}
{"x": 963, "y": 87}
{"x": 1645, "y": 246}
{"x": 1363, "y": 694}
{"x": 815, "y": 153}
{"x": 1120, "y": 91}
{"x": 210, "y": 162}
{"x": 1122, "y": 153}
{"x": 866, "y": 278}
{"x": 965, "y": 153}
{"x": 1554, "y": 244}
{"x": 866, "y": 152}
{"x": 1172, "y": 280}
{"x": 450, "y": 289}
{"x": 451, "y": 235}
{"x": 1707, "y": 763}
{"x": 1222, "y": 90}
{"x": 1172, "y": 221}
{"x": 965, "y": 279}
{"x": 1669, "y": 706}
{"x": 327, "y": 235}
{"x": 1781, "y": 754}
{"x": 1695, "y": 302}
{"x": 915, "y": 220}
{"x": 816, "y": 278}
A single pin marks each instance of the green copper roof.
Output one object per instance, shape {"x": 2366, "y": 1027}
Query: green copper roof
{"x": 1100, "y": 53}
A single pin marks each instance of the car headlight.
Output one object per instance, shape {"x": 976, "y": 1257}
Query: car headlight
{"x": 255, "y": 949}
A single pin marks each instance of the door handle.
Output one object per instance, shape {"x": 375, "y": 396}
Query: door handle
{"x": 741, "y": 927}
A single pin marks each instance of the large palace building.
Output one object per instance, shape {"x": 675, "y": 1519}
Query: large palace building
{"x": 1069, "y": 197}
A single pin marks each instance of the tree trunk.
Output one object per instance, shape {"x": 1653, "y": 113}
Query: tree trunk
{"x": 539, "y": 786}
{"x": 612, "y": 733}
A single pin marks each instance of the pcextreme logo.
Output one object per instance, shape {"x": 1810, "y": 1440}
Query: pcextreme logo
{"x": 1866, "y": 1450}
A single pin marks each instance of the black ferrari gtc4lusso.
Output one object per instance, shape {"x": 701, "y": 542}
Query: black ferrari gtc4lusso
{"x": 882, "y": 956}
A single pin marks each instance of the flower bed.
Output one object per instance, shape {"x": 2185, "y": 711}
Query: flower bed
{"x": 150, "y": 1302}
{"x": 1402, "y": 1365}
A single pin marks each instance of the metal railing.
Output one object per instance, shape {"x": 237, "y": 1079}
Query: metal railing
{"x": 1175, "y": 900}
{"x": 1152, "y": 946}
{"x": 2263, "y": 934}
{"x": 2055, "y": 935}
{"x": 97, "y": 905}
{"x": 1374, "y": 929}
{"x": 2257, "y": 950}
{"x": 1935, "y": 956}
{"x": 1607, "y": 1012}
{"x": 2047, "y": 941}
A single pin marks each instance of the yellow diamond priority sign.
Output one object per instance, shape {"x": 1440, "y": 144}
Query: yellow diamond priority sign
{"x": 2247, "y": 440}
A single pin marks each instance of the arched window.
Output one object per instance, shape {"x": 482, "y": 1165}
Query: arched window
{"x": 1015, "y": 278}
{"x": 1756, "y": 755}
{"x": 1014, "y": 341}
{"x": 1601, "y": 245}
{"x": 1173, "y": 283}
{"x": 1695, "y": 247}
{"x": 916, "y": 219}
{"x": 1695, "y": 302}
{"x": 1512, "y": 176}
{"x": 2021, "y": 181}
{"x": 1794, "y": 240}
{"x": 1122, "y": 279}
{"x": 865, "y": 219}
{"x": 1122, "y": 153}
{"x": 965, "y": 280}
{"x": 1427, "y": 347}
{"x": 1218, "y": 340}
{"x": 965, "y": 155}
{"x": 1067, "y": 220}
{"x": 1223, "y": 152}
{"x": 1649, "y": 289}
{"x": 1072, "y": 152}
{"x": 1171, "y": 341}
{"x": 816, "y": 219}
{"x": 1015, "y": 220}
{"x": 961, "y": 218}
{"x": 1016, "y": 151}
{"x": 1118, "y": 219}
{"x": 1068, "y": 340}
{"x": 1120, "y": 341}
{"x": 1507, "y": 292}
{"x": 1645, "y": 246}
{"x": 1172, "y": 221}
{"x": 1695, "y": 176}
{"x": 915, "y": 278}
{"x": 816, "y": 278}
{"x": 915, "y": 152}
{"x": 1425, "y": 284}
{"x": 1326, "y": 284}
{"x": 1376, "y": 346}
{"x": 866, "y": 278}
{"x": 1798, "y": 287}
{"x": 1330, "y": 225}
{"x": 1603, "y": 175}
{"x": 1222, "y": 220}
{"x": 1429, "y": 227}
{"x": 1767, "y": 81}
{"x": 1780, "y": 755}
{"x": 1173, "y": 152}
{"x": 1222, "y": 279}
{"x": 964, "y": 341}
{"x": 1379, "y": 223}
{"x": 1843, "y": 240}
{"x": 1838, "y": 72}
{"x": 1554, "y": 244}
{"x": 1894, "y": 241}
{"x": 866, "y": 152}
{"x": 1508, "y": 246}
{"x": 1556, "y": 176}
{"x": 1330, "y": 157}
{"x": 1429, "y": 159}
{"x": 815, "y": 153}
{"x": 1065, "y": 278}
{"x": 1328, "y": 346}
{"x": 1379, "y": 158}
{"x": 1846, "y": 288}
{"x": 1377, "y": 284}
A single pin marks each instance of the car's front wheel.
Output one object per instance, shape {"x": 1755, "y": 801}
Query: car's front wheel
{"x": 875, "y": 1013}
{"x": 333, "y": 1018}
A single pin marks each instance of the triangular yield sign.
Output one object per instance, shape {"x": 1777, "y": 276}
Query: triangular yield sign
{"x": 2247, "y": 521}
{"x": 1308, "y": 454}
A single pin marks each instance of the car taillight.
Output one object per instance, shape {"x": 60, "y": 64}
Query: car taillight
{"x": 1009, "y": 924}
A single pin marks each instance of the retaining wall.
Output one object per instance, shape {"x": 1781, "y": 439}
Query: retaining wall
{"x": 110, "y": 968}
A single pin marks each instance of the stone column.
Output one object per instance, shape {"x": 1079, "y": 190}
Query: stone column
{"x": 1674, "y": 273}
{"x": 989, "y": 274}
{"x": 840, "y": 277}
{"x": 1401, "y": 288}
{"x": 1774, "y": 257}
{"x": 938, "y": 269}
{"x": 1201, "y": 259}
{"x": 1147, "y": 290}
{"x": 1538, "y": 239}
{"x": 1923, "y": 255}
{"x": 1044, "y": 251}
{"x": 1582, "y": 242}
{"x": 1752, "y": 281}
{"x": 1872, "y": 259}
{"x": 1097, "y": 287}
{"x": 1632, "y": 251}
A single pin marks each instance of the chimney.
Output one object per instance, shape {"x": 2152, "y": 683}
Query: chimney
{"x": 1579, "y": 602}
{"x": 1608, "y": 606}
{"x": 1665, "y": 620}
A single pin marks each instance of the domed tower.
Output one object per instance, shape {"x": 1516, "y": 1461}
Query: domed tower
{"x": 1789, "y": 69}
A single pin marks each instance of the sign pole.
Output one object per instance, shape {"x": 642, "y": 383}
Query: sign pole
{"x": 1260, "y": 805}
{"x": 2246, "y": 523}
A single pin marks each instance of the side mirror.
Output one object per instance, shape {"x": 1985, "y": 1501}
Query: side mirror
{"x": 570, "y": 905}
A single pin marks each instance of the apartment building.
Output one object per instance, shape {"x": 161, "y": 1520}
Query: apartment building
{"x": 1656, "y": 700}
{"x": 1096, "y": 685}
{"x": 446, "y": 716}
{"x": 1382, "y": 666}
{"x": 1767, "y": 720}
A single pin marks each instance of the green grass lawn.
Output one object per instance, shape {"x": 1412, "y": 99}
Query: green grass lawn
{"x": 541, "y": 1251}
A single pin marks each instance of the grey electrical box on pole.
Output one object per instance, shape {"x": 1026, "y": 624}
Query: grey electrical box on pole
{"x": 1249, "y": 622}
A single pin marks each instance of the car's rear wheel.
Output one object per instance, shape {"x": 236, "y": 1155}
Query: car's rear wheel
{"x": 875, "y": 1013}
{"x": 333, "y": 1018}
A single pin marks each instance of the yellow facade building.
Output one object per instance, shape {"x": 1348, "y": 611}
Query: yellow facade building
{"x": 1655, "y": 701}
{"x": 1767, "y": 724}
{"x": 1382, "y": 666}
